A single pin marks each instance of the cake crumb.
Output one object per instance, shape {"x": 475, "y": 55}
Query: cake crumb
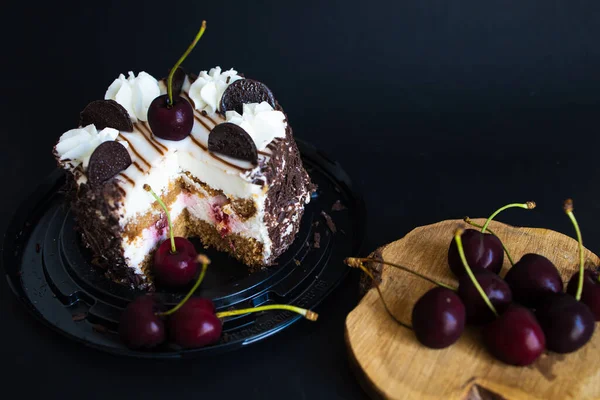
{"x": 329, "y": 222}
{"x": 317, "y": 243}
{"x": 297, "y": 262}
{"x": 338, "y": 206}
{"x": 79, "y": 316}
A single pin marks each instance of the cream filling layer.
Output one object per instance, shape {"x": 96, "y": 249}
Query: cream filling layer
{"x": 205, "y": 208}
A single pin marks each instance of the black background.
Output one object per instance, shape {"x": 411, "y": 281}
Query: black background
{"x": 437, "y": 109}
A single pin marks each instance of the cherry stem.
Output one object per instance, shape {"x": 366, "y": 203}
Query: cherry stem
{"x": 183, "y": 57}
{"x": 308, "y": 314}
{"x": 528, "y": 206}
{"x": 164, "y": 207}
{"x": 356, "y": 262}
{"x": 568, "y": 207}
{"x": 468, "y": 221}
{"x": 201, "y": 259}
{"x": 461, "y": 252}
{"x": 359, "y": 264}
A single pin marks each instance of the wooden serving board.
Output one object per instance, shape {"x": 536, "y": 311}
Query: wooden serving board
{"x": 392, "y": 364}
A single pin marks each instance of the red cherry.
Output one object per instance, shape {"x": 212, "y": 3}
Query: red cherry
{"x": 515, "y": 337}
{"x": 172, "y": 117}
{"x": 483, "y": 251}
{"x": 195, "y": 324}
{"x": 567, "y": 323}
{"x": 175, "y": 269}
{"x": 171, "y": 121}
{"x": 139, "y": 325}
{"x": 590, "y": 294}
{"x": 532, "y": 277}
{"x": 438, "y": 318}
{"x": 497, "y": 291}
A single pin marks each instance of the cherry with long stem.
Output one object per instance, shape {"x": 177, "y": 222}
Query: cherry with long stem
{"x": 476, "y": 225}
{"x": 484, "y": 251}
{"x": 174, "y": 263}
{"x": 172, "y": 117}
{"x": 461, "y": 252}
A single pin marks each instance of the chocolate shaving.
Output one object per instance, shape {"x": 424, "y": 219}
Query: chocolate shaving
{"x": 244, "y": 91}
{"x": 329, "y": 222}
{"x": 79, "y": 316}
{"x": 338, "y": 206}
{"x": 233, "y": 141}
{"x": 317, "y": 241}
{"x": 106, "y": 114}
{"x": 37, "y": 248}
{"x": 106, "y": 161}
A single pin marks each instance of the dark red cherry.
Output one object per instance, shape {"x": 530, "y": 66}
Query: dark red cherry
{"x": 515, "y": 337}
{"x": 171, "y": 121}
{"x": 139, "y": 326}
{"x": 567, "y": 323}
{"x": 590, "y": 295}
{"x": 175, "y": 269}
{"x": 532, "y": 277}
{"x": 438, "y": 318}
{"x": 495, "y": 288}
{"x": 483, "y": 251}
{"x": 194, "y": 324}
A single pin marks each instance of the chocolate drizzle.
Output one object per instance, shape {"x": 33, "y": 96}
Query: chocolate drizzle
{"x": 138, "y": 155}
{"x": 154, "y": 144}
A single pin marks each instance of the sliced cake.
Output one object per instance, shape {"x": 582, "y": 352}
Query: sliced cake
{"x": 236, "y": 180}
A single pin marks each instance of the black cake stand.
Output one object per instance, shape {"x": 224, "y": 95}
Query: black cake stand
{"x": 51, "y": 272}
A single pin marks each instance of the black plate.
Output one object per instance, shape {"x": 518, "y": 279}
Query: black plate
{"x": 50, "y": 271}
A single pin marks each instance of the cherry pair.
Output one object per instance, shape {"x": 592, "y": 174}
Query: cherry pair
{"x": 192, "y": 323}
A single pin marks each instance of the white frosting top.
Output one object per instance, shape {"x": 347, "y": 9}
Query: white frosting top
{"x": 261, "y": 121}
{"x": 134, "y": 93}
{"x": 158, "y": 161}
{"x": 207, "y": 90}
{"x": 76, "y": 146}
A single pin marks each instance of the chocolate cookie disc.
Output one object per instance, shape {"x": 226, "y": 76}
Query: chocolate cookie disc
{"x": 106, "y": 114}
{"x": 244, "y": 91}
{"x": 233, "y": 141}
{"x": 106, "y": 161}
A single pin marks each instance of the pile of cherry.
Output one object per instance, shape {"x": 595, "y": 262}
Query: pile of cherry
{"x": 522, "y": 315}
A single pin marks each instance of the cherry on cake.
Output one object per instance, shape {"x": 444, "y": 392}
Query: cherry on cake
{"x": 236, "y": 181}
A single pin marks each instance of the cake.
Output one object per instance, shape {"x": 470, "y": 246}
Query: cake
{"x": 236, "y": 181}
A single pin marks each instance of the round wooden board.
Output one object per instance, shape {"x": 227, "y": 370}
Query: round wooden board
{"x": 392, "y": 363}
